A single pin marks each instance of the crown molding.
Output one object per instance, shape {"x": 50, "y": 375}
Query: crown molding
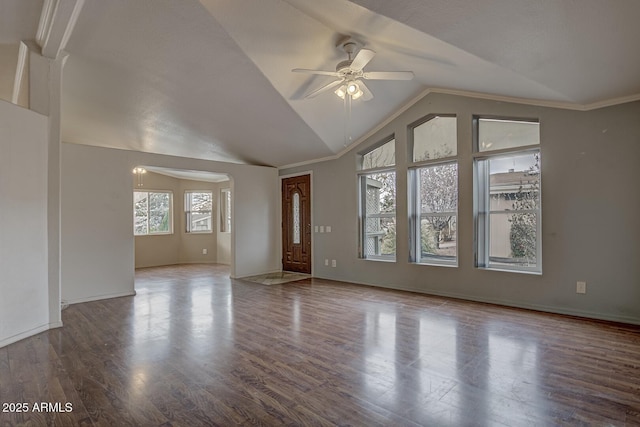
{"x": 469, "y": 94}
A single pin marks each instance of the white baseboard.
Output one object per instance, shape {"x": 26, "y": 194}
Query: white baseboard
{"x": 508, "y": 303}
{"x": 100, "y": 297}
{"x": 29, "y": 333}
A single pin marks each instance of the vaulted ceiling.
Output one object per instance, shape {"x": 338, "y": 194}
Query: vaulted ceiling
{"x": 212, "y": 79}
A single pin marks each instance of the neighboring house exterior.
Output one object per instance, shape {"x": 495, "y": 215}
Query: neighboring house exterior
{"x": 504, "y": 189}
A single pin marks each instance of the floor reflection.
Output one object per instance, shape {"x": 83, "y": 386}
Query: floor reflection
{"x": 194, "y": 347}
{"x": 379, "y": 352}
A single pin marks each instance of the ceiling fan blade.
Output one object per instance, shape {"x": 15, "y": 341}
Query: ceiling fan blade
{"x": 366, "y": 93}
{"x": 323, "y": 88}
{"x": 388, "y": 75}
{"x": 319, "y": 72}
{"x": 362, "y": 58}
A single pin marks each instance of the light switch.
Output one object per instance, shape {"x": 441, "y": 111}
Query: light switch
{"x": 328, "y": 228}
{"x": 322, "y": 228}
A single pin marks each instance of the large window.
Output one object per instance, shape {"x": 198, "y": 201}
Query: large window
{"x": 198, "y": 206}
{"x": 377, "y": 180}
{"x": 508, "y": 195}
{"x": 433, "y": 191}
{"x": 152, "y": 212}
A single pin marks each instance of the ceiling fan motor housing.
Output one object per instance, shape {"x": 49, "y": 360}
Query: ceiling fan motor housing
{"x": 344, "y": 66}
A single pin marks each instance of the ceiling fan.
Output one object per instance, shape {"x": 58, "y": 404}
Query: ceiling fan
{"x": 350, "y": 74}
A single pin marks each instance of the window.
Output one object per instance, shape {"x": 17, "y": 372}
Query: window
{"x": 377, "y": 180}
{"x": 152, "y": 212}
{"x": 197, "y": 208}
{"x": 384, "y": 155}
{"x": 433, "y": 191}
{"x": 497, "y": 134}
{"x": 225, "y": 210}
{"x": 508, "y": 195}
{"x": 436, "y": 138}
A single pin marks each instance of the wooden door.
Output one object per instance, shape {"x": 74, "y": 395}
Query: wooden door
{"x": 296, "y": 224}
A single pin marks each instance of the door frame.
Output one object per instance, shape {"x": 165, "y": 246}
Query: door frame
{"x": 293, "y": 175}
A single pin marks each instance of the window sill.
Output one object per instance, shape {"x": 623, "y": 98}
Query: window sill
{"x": 508, "y": 270}
{"x": 378, "y": 259}
{"x": 436, "y": 264}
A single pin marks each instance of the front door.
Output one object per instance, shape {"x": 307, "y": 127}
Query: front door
{"x": 296, "y": 224}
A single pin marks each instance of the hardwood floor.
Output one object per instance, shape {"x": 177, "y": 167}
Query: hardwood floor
{"x": 195, "y": 348}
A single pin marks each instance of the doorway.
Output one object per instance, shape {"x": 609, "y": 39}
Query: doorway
{"x": 296, "y": 224}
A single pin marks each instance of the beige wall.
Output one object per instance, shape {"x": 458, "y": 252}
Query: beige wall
{"x": 590, "y": 205}
{"x": 179, "y": 247}
{"x": 97, "y": 243}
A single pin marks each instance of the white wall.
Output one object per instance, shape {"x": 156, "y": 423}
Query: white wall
{"x": 24, "y": 289}
{"x": 97, "y": 224}
{"x": 590, "y": 211}
{"x": 97, "y": 220}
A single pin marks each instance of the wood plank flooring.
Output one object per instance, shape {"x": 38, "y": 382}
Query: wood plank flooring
{"x": 195, "y": 348}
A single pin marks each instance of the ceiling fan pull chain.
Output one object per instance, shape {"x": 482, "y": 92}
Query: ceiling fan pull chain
{"x": 347, "y": 120}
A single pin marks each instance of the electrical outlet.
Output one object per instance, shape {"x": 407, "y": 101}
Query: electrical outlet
{"x": 205, "y": 251}
{"x": 326, "y": 262}
{"x": 581, "y": 287}
{"x": 333, "y": 263}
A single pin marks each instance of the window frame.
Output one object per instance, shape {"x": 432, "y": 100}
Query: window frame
{"x": 226, "y": 217}
{"x": 373, "y": 147}
{"x": 481, "y": 200}
{"x": 362, "y": 176}
{"x": 187, "y": 213}
{"x": 170, "y": 211}
{"x": 414, "y": 200}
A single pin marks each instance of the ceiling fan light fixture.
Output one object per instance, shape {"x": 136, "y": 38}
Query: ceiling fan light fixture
{"x": 350, "y": 88}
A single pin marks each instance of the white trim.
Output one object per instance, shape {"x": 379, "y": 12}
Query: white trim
{"x": 225, "y": 193}
{"x": 363, "y": 137}
{"x": 540, "y": 102}
{"x": 171, "y": 212}
{"x": 20, "y": 71}
{"x": 101, "y": 297}
{"x": 503, "y": 303}
{"x": 187, "y": 223}
{"x": 29, "y": 333}
{"x": 45, "y": 20}
{"x": 57, "y": 20}
{"x": 469, "y": 94}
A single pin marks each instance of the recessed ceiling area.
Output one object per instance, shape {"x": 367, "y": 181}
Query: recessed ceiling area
{"x": 211, "y": 79}
{"x": 189, "y": 174}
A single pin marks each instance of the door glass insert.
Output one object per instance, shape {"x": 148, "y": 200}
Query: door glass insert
{"x": 296, "y": 218}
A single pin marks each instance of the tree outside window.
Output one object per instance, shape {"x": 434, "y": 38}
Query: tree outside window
{"x": 151, "y": 212}
{"x": 433, "y": 187}
{"x": 378, "y": 203}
